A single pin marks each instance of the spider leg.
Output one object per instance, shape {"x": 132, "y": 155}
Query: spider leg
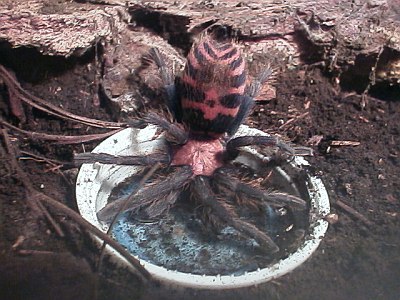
{"x": 226, "y": 182}
{"x": 145, "y": 160}
{"x": 167, "y": 77}
{"x": 244, "y": 110}
{"x": 202, "y": 191}
{"x": 175, "y": 132}
{"x": 155, "y": 197}
{"x": 255, "y": 87}
{"x": 248, "y": 100}
{"x": 233, "y": 145}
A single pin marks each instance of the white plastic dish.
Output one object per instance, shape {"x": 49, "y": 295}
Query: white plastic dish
{"x": 96, "y": 181}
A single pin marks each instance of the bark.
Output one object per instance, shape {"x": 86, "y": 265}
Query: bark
{"x": 360, "y": 36}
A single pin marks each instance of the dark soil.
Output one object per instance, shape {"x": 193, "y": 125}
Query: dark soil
{"x": 358, "y": 259}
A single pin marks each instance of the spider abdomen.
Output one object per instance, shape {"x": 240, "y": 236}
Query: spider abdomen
{"x": 212, "y": 86}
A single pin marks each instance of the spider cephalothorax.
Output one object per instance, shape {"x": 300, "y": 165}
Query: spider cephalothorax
{"x": 208, "y": 104}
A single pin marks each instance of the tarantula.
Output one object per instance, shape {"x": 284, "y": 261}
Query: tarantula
{"x": 208, "y": 104}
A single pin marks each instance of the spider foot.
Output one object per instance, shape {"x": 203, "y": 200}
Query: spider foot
{"x": 294, "y": 151}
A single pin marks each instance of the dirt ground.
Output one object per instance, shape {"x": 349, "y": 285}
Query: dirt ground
{"x": 358, "y": 259}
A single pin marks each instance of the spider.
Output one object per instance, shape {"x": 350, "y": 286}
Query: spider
{"x": 207, "y": 105}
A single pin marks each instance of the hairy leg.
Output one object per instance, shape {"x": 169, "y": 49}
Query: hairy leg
{"x": 154, "y": 198}
{"x": 255, "y": 87}
{"x": 244, "y": 110}
{"x": 145, "y": 160}
{"x": 167, "y": 77}
{"x": 226, "y": 182}
{"x": 248, "y": 100}
{"x": 202, "y": 191}
{"x": 233, "y": 145}
{"x": 175, "y": 132}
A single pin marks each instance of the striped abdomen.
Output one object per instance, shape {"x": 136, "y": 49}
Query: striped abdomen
{"x": 212, "y": 86}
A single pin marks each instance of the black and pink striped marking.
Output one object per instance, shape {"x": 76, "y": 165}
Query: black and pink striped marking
{"x": 212, "y": 86}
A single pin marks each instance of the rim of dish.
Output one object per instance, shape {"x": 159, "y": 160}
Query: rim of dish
{"x": 89, "y": 182}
